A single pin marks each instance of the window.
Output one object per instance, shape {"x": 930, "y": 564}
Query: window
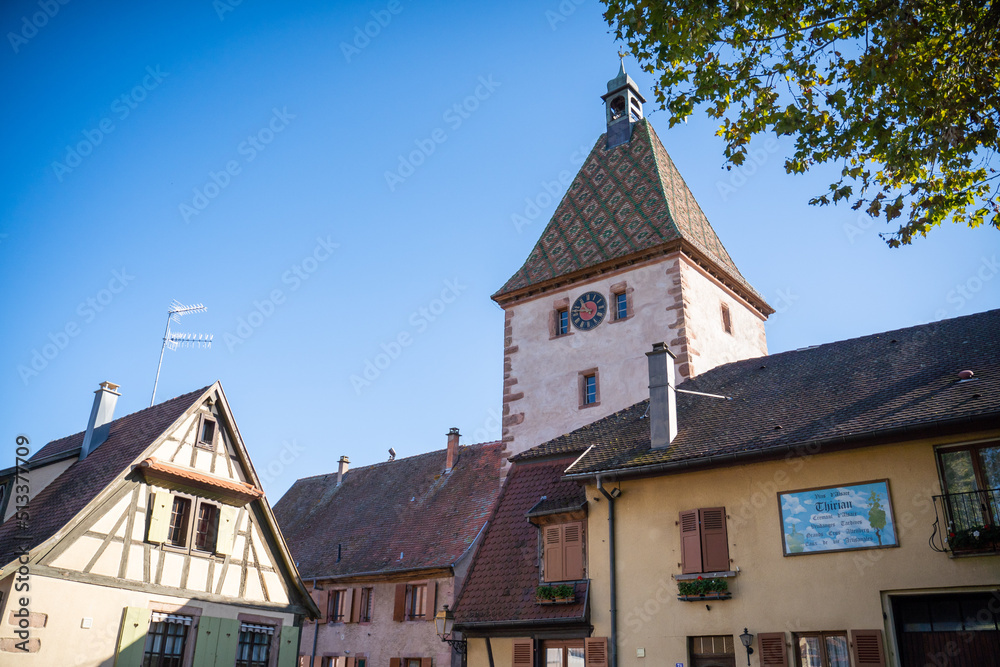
{"x": 589, "y": 388}
{"x": 562, "y": 322}
{"x": 201, "y": 534}
{"x": 414, "y": 602}
{"x": 727, "y": 322}
{"x": 821, "y": 649}
{"x": 716, "y": 649}
{"x": 178, "y": 533}
{"x": 411, "y": 662}
{"x": 206, "y": 432}
{"x": 166, "y": 639}
{"x": 563, "y": 557}
{"x": 254, "y": 647}
{"x": 621, "y": 306}
{"x": 340, "y": 605}
{"x": 365, "y": 607}
{"x": 704, "y": 544}
{"x": 207, "y": 530}
{"x": 972, "y": 484}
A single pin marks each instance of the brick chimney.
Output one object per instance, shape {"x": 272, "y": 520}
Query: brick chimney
{"x": 342, "y": 469}
{"x": 662, "y": 397}
{"x": 452, "y": 458}
{"x": 101, "y": 415}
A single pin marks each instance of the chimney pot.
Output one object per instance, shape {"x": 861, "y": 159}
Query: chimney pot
{"x": 662, "y": 397}
{"x": 101, "y": 415}
{"x": 452, "y": 457}
{"x": 342, "y": 468}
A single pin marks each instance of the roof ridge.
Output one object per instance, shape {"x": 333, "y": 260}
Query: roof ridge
{"x": 400, "y": 460}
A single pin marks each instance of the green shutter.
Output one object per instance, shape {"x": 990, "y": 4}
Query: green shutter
{"x": 227, "y": 530}
{"x": 217, "y": 641}
{"x": 132, "y": 636}
{"x": 159, "y": 518}
{"x": 288, "y": 650}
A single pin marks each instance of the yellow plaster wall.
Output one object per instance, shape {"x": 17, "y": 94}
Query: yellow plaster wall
{"x": 503, "y": 652}
{"x": 771, "y": 593}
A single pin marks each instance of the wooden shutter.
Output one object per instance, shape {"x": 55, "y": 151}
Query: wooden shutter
{"x": 573, "y": 561}
{"x": 426, "y": 662}
{"x": 430, "y": 595}
{"x": 132, "y": 636}
{"x": 552, "y": 537}
{"x": 524, "y": 653}
{"x": 714, "y": 543}
{"x": 159, "y": 517}
{"x": 350, "y": 662}
{"x": 399, "y": 606}
{"x": 772, "y": 649}
{"x": 347, "y": 605}
{"x": 394, "y": 662}
{"x": 321, "y": 597}
{"x": 357, "y": 596}
{"x": 227, "y": 530}
{"x": 868, "y": 648}
{"x": 690, "y": 543}
{"x": 287, "y": 648}
{"x": 595, "y": 651}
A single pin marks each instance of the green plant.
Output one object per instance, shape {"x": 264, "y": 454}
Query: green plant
{"x": 702, "y": 586}
{"x": 545, "y": 593}
{"x": 978, "y": 537}
{"x": 564, "y": 591}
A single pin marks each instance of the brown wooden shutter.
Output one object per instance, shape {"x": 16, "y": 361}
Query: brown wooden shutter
{"x": 399, "y": 606}
{"x": 394, "y": 662}
{"x": 430, "y": 600}
{"x": 573, "y": 561}
{"x": 357, "y": 596}
{"x": 552, "y": 537}
{"x": 690, "y": 543}
{"x": 772, "y": 649}
{"x": 524, "y": 653}
{"x": 426, "y": 662}
{"x": 349, "y": 662}
{"x": 320, "y": 597}
{"x": 595, "y": 651}
{"x": 714, "y": 543}
{"x": 868, "y": 648}
{"x": 348, "y": 605}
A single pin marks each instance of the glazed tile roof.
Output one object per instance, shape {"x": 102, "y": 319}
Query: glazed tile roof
{"x": 848, "y": 391}
{"x": 627, "y": 200}
{"x": 393, "y": 516}
{"x": 70, "y": 492}
{"x": 501, "y": 584}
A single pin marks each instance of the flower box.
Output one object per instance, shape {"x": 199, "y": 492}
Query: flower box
{"x": 561, "y": 594}
{"x": 707, "y": 596}
{"x": 713, "y": 588}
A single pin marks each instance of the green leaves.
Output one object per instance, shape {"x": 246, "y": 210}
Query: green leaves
{"x": 904, "y": 95}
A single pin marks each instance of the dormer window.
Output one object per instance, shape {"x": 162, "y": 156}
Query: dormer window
{"x": 206, "y": 433}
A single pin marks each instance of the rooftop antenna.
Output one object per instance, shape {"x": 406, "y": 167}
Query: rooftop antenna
{"x": 175, "y": 340}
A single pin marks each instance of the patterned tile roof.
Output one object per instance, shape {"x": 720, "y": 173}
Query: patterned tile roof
{"x": 70, "y": 492}
{"x": 624, "y": 201}
{"x": 850, "y": 391}
{"x": 501, "y": 584}
{"x": 393, "y": 516}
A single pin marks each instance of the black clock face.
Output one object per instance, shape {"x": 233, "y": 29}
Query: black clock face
{"x": 588, "y": 311}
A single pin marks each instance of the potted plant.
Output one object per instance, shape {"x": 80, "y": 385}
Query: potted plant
{"x": 561, "y": 594}
{"x": 545, "y": 594}
{"x": 701, "y": 588}
{"x": 564, "y": 594}
{"x": 976, "y": 538}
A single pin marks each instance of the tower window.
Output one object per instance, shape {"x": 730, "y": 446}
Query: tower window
{"x": 590, "y": 391}
{"x": 727, "y": 322}
{"x": 621, "y": 306}
{"x": 562, "y": 322}
{"x": 617, "y": 107}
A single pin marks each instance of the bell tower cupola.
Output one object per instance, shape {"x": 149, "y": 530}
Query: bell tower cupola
{"x": 623, "y": 107}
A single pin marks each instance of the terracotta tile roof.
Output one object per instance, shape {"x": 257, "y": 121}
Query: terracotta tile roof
{"x": 629, "y": 200}
{"x": 154, "y": 470}
{"x": 852, "y": 390}
{"x": 61, "y": 500}
{"x": 501, "y": 584}
{"x": 393, "y": 516}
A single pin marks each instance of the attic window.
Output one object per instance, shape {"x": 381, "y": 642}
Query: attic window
{"x": 727, "y": 322}
{"x": 206, "y": 433}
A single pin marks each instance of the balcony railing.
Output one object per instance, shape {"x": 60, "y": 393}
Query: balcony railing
{"x": 967, "y": 523}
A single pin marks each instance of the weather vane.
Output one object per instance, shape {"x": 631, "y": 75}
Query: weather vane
{"x": 175, "y": 340}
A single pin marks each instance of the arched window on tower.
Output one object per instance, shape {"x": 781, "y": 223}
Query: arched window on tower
{"x": 617, "y": 107}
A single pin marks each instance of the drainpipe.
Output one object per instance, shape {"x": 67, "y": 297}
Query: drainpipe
{"x": 613, "y": 639}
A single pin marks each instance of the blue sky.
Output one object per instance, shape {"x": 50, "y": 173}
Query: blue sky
{"x": 237, "y": 155}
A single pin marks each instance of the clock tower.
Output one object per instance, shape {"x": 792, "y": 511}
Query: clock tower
{"x": 627, "y": 260}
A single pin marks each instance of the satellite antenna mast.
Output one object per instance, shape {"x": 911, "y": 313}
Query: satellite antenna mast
{"x": 175, "y": 340}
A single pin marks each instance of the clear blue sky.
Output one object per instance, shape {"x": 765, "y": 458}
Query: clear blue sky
{"x": 114, "y": 117}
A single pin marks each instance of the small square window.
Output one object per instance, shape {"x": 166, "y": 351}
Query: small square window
{"x": 589, "y": 389}
{"x": 206, "y": 433}
{"x": 621, "y": 306}
{"x": 562, "y": 322}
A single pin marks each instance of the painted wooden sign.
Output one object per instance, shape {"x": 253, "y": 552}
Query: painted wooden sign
{"x": 837, "y": 518}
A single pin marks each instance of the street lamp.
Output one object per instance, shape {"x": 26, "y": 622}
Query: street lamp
{"x": 445, "y": 624}
{"x": 747, "y": 639}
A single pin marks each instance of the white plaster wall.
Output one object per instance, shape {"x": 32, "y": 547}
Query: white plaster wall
{"x": 63, "y": 639}
{"x": 710, "y": 345}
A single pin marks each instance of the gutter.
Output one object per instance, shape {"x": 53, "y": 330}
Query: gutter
{"x": 613, "y": 639}
{"x": 721, "y": 460}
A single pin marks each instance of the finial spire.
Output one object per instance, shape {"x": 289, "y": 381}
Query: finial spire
{"x": 621, "y": 54}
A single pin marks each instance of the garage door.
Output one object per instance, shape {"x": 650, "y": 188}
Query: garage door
{"x": 958, "y": 630}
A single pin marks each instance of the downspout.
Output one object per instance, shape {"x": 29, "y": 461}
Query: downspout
{"x": 489, "y": 650}
{"x": 613, "y": 639}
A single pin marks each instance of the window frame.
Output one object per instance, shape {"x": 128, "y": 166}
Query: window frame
{"x": 180, "y": 610}
{"x": 275, "y": 622}
{"x": 415, "y": 602}
{"x": 194, "y": 506}
{"x": 582, "y": 378}
{"x": 727, "y": 318}
{"x": 977, "y": 467}
{"x": 615, "y": 292}
{"x": 201, "y": 443}
{"x": 822, "y": 636}
{"x": 365, "y": 604}
{"x": 560, "y": 308}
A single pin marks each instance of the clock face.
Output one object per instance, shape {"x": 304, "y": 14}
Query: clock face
{"x": 588, "y": 310}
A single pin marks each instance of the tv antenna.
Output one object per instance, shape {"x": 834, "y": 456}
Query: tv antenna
{"x": 175, "y": 340}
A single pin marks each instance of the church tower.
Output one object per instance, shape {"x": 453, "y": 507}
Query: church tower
{"x": 627, "y": 260}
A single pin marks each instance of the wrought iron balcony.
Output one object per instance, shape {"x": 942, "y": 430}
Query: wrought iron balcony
{"x": 967, "y": 523}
